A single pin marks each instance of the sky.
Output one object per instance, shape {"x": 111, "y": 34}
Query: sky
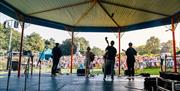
{"x": 137, "y": 37}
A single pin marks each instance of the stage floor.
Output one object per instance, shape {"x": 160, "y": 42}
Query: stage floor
{"x": 71, "y": 83}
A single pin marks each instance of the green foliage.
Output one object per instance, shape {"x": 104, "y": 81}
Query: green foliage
{"x": 2, "y": 65}
{"x": 50, "y": 43}
{"x": 151, "y": 71}
{"x": 141, "y": 50}
{"x": 66, "y": 47}
{"x": 34, "y": 42}
{"x": 97, "y": 51}
{"x": 83, "y": 43}
{"x": 4, "y": 38}
{"x": 166, "y": 46}
{"x": 152, "y": 45}
{"x": 16, "y": 40}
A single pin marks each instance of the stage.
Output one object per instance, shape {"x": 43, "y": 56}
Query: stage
{"x": 71, "y": 83}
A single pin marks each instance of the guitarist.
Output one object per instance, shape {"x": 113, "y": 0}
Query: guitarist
{"x": 130, "y": 53}
{"x": 89, "y": 58}
{"x": 110, "y": 58}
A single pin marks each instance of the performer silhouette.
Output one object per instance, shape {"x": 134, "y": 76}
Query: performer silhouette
{"x": 130, "y": 53}
{"x": 110, "y": 59}
{"x": 56, "y": 51}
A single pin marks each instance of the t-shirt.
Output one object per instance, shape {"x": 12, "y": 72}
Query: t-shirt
{"x": 130, "y": 53}
{"x": 111, "y": 52}
{"x": 56, "y": 52}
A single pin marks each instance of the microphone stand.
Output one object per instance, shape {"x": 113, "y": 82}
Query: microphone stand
{"x": 26, "y": 73}
{"x": 39, "y": 62}
{"x": 9, "y": 67}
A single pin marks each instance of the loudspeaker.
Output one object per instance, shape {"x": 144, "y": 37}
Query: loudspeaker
{"x": 150, "y": 84}
{"x": 16, "y": 24}
{"x": 170, "y": 75}
{"x": 14, "y": 65}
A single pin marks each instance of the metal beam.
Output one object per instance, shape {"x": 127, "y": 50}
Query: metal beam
{"x": 85, "y": 13}
{"x": 21, "y": 45}
{"x": 138, "y": 9}
{"x": 72, "y": 52}
{"x": 119, "y": 36}
{"x": 119, "y": 58}
{"x": 110, "y": 16}
{"x": 66, "y": 6}
{"x": 10, "y": 7}
{"x": 174, "y": 44}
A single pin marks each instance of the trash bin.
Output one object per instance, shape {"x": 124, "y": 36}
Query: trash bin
{"x": 14, "y": 65}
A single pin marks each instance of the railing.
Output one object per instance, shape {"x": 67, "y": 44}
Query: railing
{"x": 167, "y": 84}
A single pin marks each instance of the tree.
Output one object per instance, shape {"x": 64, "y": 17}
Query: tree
{"x": 83, "y": 43}
{"x": 66, "y": 47}
{"x": 153, "y": 45}
{"x": 141, "y": 50}
{"x": 34, "y": 42}
{"x": 166, "y": 46}
{"x": 15, "y": 43}
{"x": 50, "y": 43}
{"x": 4, "y": 38}
{"x": 97, "y": 51}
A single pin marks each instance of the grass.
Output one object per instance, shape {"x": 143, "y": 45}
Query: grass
{"x": 2, "y": 72}
{"x": 152, "y": 71}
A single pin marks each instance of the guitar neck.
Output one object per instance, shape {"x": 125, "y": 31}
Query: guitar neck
{"x": 107, "y": 41}
{"x": 123, "y": 50}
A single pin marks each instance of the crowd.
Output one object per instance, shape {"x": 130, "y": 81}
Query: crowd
{"x": 78, "y": 62}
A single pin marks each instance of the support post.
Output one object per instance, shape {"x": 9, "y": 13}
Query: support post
{"x": 9, "y": 46}
{"x": 119, "y": 48}
{"x": 72, "y": 47}
{"x": 174, "y": 44}
{"x": 9, "y": 63}
{"x": 32, "y": 65}
{"x": 21, "y": 44}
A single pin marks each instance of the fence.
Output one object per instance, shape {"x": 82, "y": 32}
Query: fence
{"x": 169, "y": 64}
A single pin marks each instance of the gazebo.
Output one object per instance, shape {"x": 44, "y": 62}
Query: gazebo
{"x": 94, "y": 16}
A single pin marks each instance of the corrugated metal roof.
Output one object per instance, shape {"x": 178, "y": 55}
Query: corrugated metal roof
{"x": 91, "y": 14}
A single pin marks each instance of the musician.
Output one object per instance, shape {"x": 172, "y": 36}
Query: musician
{"x": 56, "y": 51}
{"x": 89, "y": 59}
{"x": 130, "y": 53}
{"x": 110, "y": 58}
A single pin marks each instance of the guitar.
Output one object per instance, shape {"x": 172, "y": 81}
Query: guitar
{"x": 106, "y": 39}
{"x": 123, "y": 50}
{"x": 106, "y": 54}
